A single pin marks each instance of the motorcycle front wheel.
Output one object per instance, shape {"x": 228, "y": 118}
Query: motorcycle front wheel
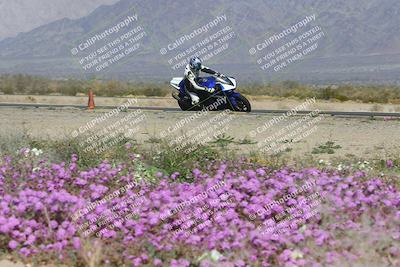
{"x": 243, "y": 105}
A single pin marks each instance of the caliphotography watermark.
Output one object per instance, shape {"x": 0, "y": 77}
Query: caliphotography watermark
{"x": 206, "y": 41}
{"x": 205, "y": 132}
{"x": 188, "y": 119}
{"x": 307, "y": 104}
{"x": 293, "y": 218}
{"x": 289, "y": 212}
{"x": 98, "y": 216}
{"x": 188, "y": 203}
{"x": 198, "y": 129}
{"x": 202, "y": 217}
{"x": 109, "y": 46}
{"x": 111, "y": 128}
{"x": 293, "y": 44}
{"x": 291, "y": 133}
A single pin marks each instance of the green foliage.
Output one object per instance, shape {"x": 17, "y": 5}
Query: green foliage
{"x": 166, "y": 158}
{"x": 363, "y": 93}
{"x": 25, "y": 84}
{"x": 246, "y": 141}
{"x": 64, "y": 149}
{"x": 223, "y": 140}
{"x": 327, "y": 148}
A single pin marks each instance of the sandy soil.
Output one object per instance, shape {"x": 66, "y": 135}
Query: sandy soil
{"x": 6, "y": 263}
{"x": 362, "y": 137}
{"x": 257, "y": 102}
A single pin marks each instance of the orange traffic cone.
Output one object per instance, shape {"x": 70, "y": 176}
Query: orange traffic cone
{"x": 91, "y": 100}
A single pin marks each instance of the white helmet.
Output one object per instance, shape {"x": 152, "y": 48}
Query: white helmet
{"x": 195, "y": 63}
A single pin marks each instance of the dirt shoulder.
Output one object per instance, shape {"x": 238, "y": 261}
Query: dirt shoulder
{"x": 361, "y": 137}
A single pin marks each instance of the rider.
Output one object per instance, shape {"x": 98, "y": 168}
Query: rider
{"x": 192, "y": 72}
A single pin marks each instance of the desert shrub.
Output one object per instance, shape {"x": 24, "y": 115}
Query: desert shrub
{"x": 342, "y": 98}
{"x": 170, "y": 161}
{"x": 327, "y": 93}
{"x": 7, "y": 89}
{"x": 26, "y": 84}
{"x": 154, "y": 92}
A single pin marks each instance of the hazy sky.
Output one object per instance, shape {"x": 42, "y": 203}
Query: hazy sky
{"x": 24, "y": 15}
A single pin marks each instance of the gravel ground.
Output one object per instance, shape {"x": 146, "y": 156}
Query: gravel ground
{"x": 257, "y": 102}
{"x": 362, "y": 137}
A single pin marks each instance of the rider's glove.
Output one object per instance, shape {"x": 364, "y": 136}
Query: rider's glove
{"x": 210, "y": 90}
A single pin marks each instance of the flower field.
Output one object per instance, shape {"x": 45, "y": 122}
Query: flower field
{"x": 233, "y": 213}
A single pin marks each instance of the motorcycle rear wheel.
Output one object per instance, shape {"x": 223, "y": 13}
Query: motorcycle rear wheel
{"x": 187, "y": 106}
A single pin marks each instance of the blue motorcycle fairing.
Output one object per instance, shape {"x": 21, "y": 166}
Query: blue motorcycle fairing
{"x": 232, "y": 95}
{"x": 182, "y": 91}
{"x": 208, "y": 82}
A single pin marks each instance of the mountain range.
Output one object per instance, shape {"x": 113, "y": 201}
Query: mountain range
{"x": 21, "y": 15}
{"x": 361, "y": 41}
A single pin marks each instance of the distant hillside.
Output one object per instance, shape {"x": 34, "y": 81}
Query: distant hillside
{"x": 22, "y": 16}
{"x": 361, "y": 43}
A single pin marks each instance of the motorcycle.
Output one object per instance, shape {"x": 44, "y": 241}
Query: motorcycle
{"x": 224, "y": 95}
